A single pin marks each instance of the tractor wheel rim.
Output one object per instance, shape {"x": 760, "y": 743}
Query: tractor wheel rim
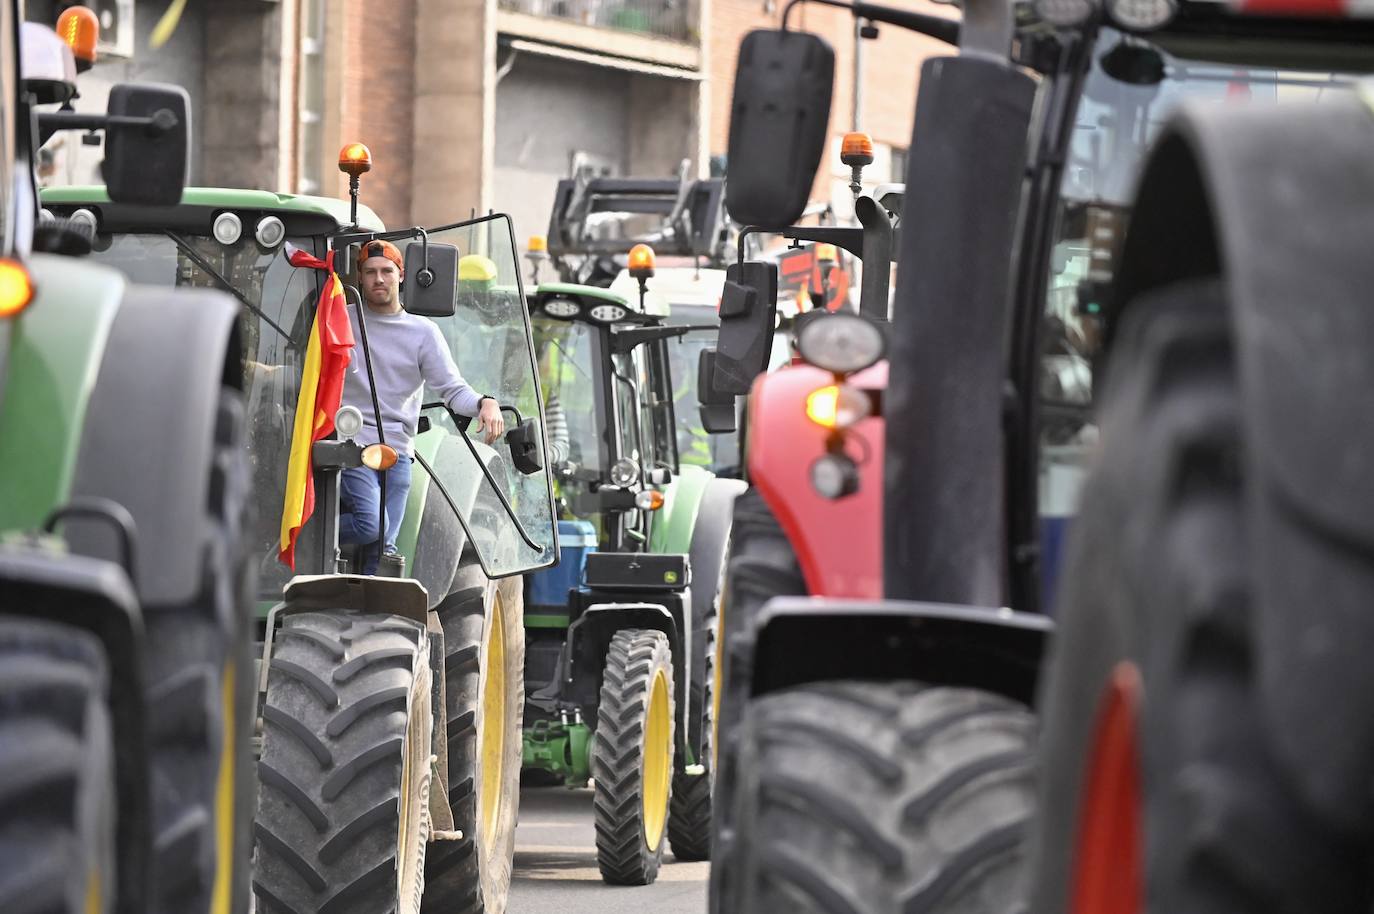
{"x": 492, "y": 730}
{"x": 225, "y": 778}
{"x": 1107, "y": 868}
{"x": 717, "y": 677}
{"x": 658, "y": 755}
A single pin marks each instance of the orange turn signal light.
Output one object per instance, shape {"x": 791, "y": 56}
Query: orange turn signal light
{"x": 379, "y": 457}
{"x": 641, "y": 261}
{"x": 355, "y": 159}
{"x": 16, "y": 287}
{"x": 80, "y": 29}
{"x": 856, "y": 149}
{"x": 837, "y": 406}
{"x": 649, "y": 500}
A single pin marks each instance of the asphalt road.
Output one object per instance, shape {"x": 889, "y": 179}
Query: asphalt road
{"x": 555, "y": 865}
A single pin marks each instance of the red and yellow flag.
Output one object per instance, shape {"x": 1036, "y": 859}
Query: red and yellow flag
{"x": 326, "y": 360}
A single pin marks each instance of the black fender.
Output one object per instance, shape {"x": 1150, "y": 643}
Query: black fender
{"x": 706, "y": 558}
{"x": 589, "y": 640}
{"x": 1279, "y": 202}
{"x": 96, "y": 596}
{"x": 809, "y": 639}
{"x": 170, "y": 353}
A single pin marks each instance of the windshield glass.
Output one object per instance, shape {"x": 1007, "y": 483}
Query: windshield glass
{"x": 490, "y": 340}
{"x": 717, "y": 453}
{"x": 568, "y": 354}
{"x": 273, "y": 349}
{"x": 1115, "y": 124}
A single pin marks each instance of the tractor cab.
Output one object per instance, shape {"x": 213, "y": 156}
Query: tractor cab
{"x": 491, "y": 497}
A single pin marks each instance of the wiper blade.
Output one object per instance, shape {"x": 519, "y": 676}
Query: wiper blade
{"x": 195, "y": 257}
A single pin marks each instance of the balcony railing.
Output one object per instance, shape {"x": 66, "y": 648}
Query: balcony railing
{"x": 661, "y": 18}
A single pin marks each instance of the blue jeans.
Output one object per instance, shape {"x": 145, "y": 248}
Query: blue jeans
{"x": 360, "y": 521}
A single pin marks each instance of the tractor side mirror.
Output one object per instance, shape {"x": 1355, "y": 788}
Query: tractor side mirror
{"x": 431, "y": 289}
{"x": 148, "y": 163}
{"x": 525, "y": 451}
{"x": 748, "y": 313}
{"x": 778, "y": 120}
{"x": 717, "y": 408}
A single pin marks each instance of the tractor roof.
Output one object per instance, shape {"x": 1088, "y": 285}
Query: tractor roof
{"x": 320, "y": 214}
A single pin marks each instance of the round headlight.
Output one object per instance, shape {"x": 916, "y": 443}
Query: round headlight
{"x": 85, "y": 217}
{"x": 608, "y": 314}
{"x": 1065, "y": 13}
{"x": 840, "y": 342}
{"x": 228, "y": 228}
{"x": 348, "y": 421}
{"x": 562, "y": 308}
{"x": 1142, "y": 15}
{"x": 834, "y": 476}
{"x": 624, "y": 473}
{"x": 270, "y": 231}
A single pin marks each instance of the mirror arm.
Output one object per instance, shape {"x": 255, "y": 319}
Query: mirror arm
{"x": 50, "y": 122}
{"x": 851, "y": 239}
{"x": 937, "y": 27}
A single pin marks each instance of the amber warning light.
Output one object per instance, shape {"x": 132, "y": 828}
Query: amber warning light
{"x": 856, "y": 149}
{"x": 80, "y": 29}
{"x": 16, "y": 288}
{"x": 641, "y": 261}
{"x": 355, "y": 159}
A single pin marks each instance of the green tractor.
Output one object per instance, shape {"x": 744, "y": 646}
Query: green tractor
{"x": 620, "y": 637}
{"x": 390, "y": 705}
{"x": 126, "y": 670}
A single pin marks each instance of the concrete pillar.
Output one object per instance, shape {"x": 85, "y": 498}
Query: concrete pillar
{"x": 454, "y": 109}
{"x": 242, "y": 119}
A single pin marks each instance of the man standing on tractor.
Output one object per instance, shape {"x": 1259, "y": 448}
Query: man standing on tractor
{"x": 408, "y": 353}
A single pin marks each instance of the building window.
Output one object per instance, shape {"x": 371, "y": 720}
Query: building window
{"x": 310, "y": 139}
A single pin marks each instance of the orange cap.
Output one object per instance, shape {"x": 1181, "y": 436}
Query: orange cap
{"x": 382, "y": 249}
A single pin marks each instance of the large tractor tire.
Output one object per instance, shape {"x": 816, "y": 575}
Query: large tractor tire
{"x": 1154, "y": 751}
{"x": 632, "y": 757}
{"x": 882, "y": 797}
{"x": 343, "y": 803}
{"x": 689, "y": 818}
{"x": 761, "y": 565}
{"x": 484, "y": 646}
{"x": 57, "y": 788}
{"x": 200, "y": 694}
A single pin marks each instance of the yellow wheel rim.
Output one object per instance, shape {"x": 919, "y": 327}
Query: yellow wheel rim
{"x": 221, "y": 893}
{"x": 658, "y": 760}
{"x": 717, "y": 677}
{"x": 491, "y": 733}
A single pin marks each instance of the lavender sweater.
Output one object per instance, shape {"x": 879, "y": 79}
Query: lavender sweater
{"x": 408, "y": 354}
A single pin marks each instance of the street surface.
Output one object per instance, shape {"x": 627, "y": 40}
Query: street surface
{"x": 555, "y": 865}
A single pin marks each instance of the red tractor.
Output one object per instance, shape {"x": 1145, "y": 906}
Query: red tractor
{"x": 877, "y": 747}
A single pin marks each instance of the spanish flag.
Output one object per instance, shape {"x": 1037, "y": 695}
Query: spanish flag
{"x": 322, "y": 378}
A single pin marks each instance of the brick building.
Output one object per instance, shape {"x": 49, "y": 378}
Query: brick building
{"x": 472, "y": 104}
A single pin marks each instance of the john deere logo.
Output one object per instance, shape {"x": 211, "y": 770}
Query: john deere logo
{"x": 670, "y": 577}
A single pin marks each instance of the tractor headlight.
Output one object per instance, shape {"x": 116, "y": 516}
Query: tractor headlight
{"x": 1142, "y": 15}
{"x": 227, "y": 228}
{"x": 85, "y": 217}
{"x": 348, "y": 421}
{"x": 624, "y": 473}
{"x": 1065, "y": 13}
{"x": 270, "y": 231}
{"x": 842, "y": 343}
{"x": 834, "y": 476}
{"x": 608, "y": 314}
{"x": 562, "y": 308}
